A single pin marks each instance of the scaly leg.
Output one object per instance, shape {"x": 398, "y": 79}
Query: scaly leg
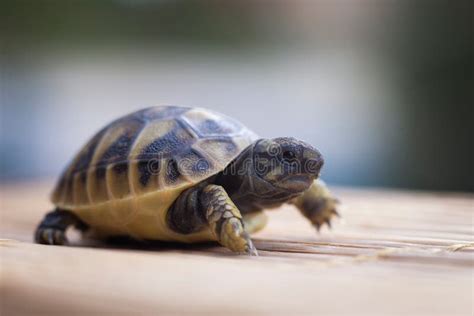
{"x": 317, "y": 204}
{"x": 225, "y": 220}
{"x": 52, "y": 229}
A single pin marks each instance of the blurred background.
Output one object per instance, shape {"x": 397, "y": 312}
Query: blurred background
{"x": 383, "y": 88}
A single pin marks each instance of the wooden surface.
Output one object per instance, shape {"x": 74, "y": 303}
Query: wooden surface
{"x": 395, "y": 253}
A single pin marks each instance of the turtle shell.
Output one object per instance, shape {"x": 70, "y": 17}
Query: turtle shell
{"x": 126, "y": 177}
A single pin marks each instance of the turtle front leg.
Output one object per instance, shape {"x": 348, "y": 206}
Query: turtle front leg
{"x": 317, "y": 204}
{"x": 52, "y": 229}
{"x": 225, "y": 220}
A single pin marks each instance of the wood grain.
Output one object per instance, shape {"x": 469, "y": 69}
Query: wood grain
{"x": 394, "y": 253}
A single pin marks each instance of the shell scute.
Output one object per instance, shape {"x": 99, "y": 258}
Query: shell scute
{"x": 174, "y": 140}
{"x": 97, "y": 186}
{"x": 209, "y": 124}
{"x": 118, "y": 180}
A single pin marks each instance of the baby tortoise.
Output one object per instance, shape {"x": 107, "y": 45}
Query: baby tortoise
{"x": 184, "y": 174}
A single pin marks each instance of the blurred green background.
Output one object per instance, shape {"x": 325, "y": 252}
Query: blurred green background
{"x": 383, "y": 88}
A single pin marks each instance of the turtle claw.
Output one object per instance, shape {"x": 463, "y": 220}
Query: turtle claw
{"x": 50, "y": 236}
{"x": 318, "y": 227}
{"x": 323, "y": 215}
{"x": 250, "y": 249}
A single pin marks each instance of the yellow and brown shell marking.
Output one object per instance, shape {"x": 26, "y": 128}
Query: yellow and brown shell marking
{"x": 126, "y": 177}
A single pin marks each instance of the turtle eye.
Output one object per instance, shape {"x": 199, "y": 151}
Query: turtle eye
{"x": 288, "y": 156}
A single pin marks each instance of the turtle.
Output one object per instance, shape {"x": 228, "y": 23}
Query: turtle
{"x": 184, "y": 174}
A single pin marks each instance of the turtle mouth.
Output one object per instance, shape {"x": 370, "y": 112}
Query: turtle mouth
{"x": 296, "y": 183}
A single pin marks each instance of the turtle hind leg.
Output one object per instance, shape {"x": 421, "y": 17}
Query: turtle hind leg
{"x": 225, "y": 220}
{"x": 52, "y": 229}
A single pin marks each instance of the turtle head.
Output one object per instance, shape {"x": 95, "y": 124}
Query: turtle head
{"x": 286, "y": 163}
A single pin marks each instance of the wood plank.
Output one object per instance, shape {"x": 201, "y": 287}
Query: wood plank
{"x": 394, "y": 253}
